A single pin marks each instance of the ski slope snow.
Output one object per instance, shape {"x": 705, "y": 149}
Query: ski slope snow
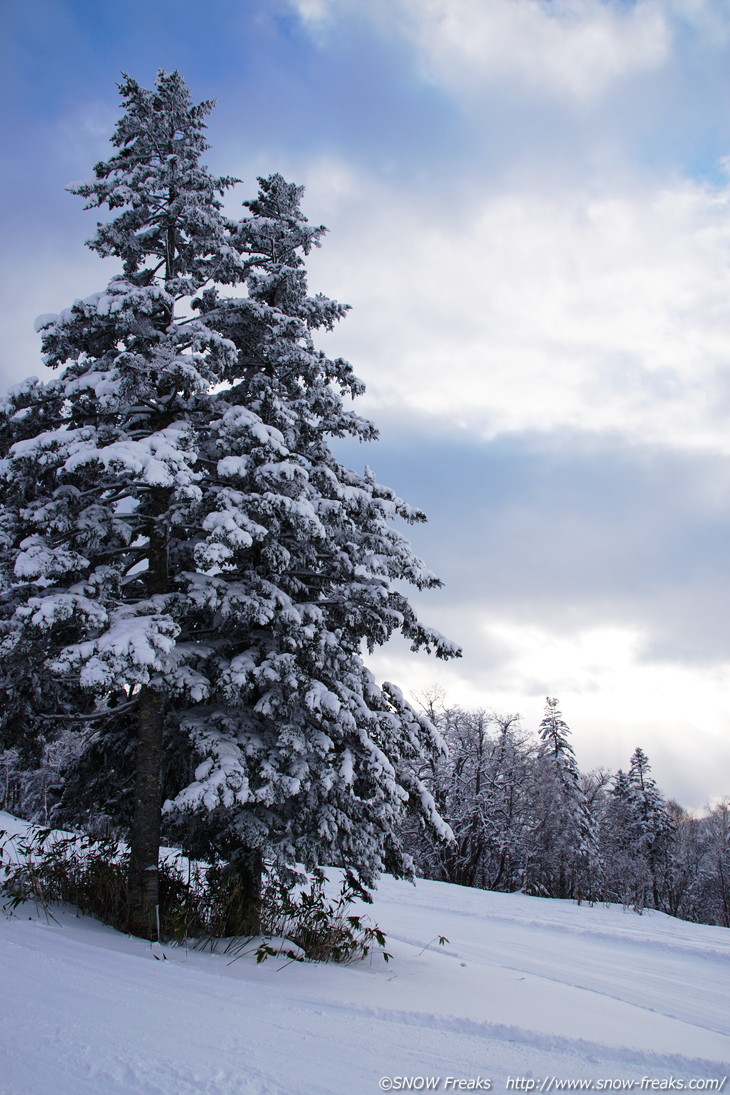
{"x": 527, "y": 994}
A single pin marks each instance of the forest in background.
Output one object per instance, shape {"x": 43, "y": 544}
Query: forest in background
{"x": 523, "y": 815}
{"x": 525, "y": 818}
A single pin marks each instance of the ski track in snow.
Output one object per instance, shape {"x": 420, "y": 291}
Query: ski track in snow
{"x": 524, "y": 988}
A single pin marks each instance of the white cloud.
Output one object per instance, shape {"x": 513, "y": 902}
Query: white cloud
{"x": 568, "y": 309}
{"x": 575, "y": 49}
{"x": 571, "y": 308}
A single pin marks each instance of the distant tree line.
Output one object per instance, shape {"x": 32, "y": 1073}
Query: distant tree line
{"x": 525, "y": 818}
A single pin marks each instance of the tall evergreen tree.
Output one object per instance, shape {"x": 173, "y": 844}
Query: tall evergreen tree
{"x": 650, "y": 824}
{"x": 621, "y": 878}
{"x": 563, "y": 834}
{"x": 636, "y": 837}
{"x": 184, "y": 555}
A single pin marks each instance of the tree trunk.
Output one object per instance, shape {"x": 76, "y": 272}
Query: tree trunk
{"x": 145, "y": 838}
{"x": 143, "y": 891}
{"x": 243, "y": 880}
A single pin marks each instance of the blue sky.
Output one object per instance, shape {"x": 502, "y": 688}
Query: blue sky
{"x": 529, "y": 211}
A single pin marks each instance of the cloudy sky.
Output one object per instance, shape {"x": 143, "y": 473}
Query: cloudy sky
{"x": 529, "y": 211}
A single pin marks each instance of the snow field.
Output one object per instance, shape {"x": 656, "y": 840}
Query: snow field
{"x": 527, "y": 991}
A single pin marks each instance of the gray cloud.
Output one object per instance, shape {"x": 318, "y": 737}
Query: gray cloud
{"x": 578, "y": 567}
{"x": 586, "y": 527}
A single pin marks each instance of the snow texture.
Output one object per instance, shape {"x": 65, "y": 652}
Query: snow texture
{"x": 525, "y": 988}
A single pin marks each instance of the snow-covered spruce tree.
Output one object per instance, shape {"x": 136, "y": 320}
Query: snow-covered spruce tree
{"x": 621, "y": 869}
{"x": 510, "y": 809}
{"x": 636, "y": 836}
{"x": 562, "y": 840}
{"x": 650, "y": 826}
{"x": 180, "y": 538}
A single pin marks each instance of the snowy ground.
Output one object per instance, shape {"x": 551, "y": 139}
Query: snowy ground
{"x": 527, "y": 994}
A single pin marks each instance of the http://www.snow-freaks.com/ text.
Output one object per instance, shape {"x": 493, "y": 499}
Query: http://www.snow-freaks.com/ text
{"x": 546, "y": 1084}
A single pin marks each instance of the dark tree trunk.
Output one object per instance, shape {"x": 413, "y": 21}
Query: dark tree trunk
{"x": 145, "y": 838}
{"x": 144, "y": 849}
{"x": 244, "y": 877}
